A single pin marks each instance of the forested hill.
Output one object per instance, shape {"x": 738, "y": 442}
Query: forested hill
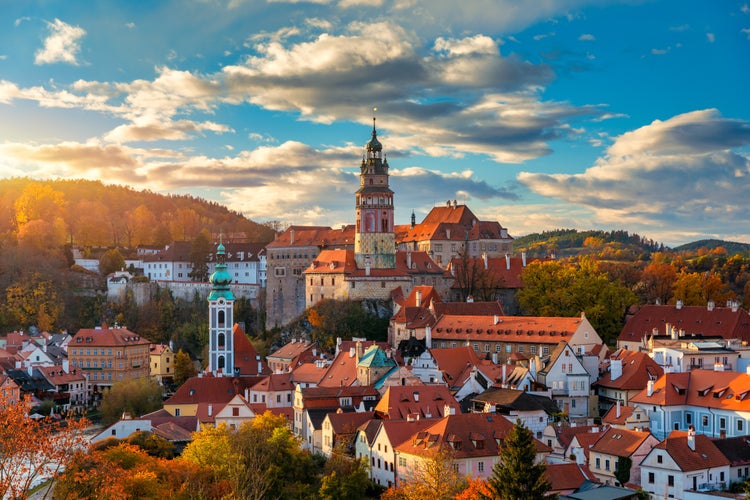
{"x": 92, "y": 214}
{"x": 570, "y": 242}
{"x": 732, "y": 247}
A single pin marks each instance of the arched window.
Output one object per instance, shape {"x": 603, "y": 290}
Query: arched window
{"x": 221, "y": 363}
{"x": 221, "y": 341}
{"x": 221, "y": 318}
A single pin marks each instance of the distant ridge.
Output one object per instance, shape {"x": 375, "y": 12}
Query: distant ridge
{"x": 732, "y": 247}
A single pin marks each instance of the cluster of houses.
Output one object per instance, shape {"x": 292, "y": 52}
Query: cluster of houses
{"x": 666, "y": 411}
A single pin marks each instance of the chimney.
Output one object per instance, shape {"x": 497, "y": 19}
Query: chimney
{"x": 691, "y": 438}
{"x": 618, "y": 409}
{"x": 359, "y": 350}
{"x": 428, "y": 337}
{"x": 678, "y": 305}
{"x": 352, "y": 351}
{"x": 484, "y": 260}
{"x": 710, "y": 305}
{"x": 650, "y": 388}
{"x": 447, "y": 234}
{"x": 408, "y": 260}
{"x": 494, "y": 358}
{"x": 210, "y": 410}
{"x": 448, "y": 410}
{"x": 247, "y": 394}
{"x": 507, "y": 261}
{"x": 615, "y": 369}
{"x": 291, "y": 236}
{"x": 66, "y": 365}
{"x": 735, "y": 305}
{"x": 505, "y": 375}
{"x": 419, "y": 295}
{"x": 415, "y": 394}
{"x": 30, "y": 369}
{"x": 496, "y": 320}
{"x": 523, "y": 259}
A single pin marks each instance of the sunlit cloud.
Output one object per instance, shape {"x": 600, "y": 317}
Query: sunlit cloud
{"x": 62, "y": 44}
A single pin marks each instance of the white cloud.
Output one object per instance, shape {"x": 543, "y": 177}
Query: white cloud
{"x": 587, "y": 37}
{"x": 62, "y": 44}
{"x": 711, "y": 37}
{"x": 680, "y": 173}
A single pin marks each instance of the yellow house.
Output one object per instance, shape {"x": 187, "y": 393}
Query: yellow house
{"x": 162, "y": 363}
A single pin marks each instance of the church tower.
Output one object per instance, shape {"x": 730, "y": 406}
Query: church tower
{"x": 374, "y": 239}
{"x": 221, "y": 318}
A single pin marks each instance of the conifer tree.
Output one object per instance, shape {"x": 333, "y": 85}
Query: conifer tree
{"x": 516, "y": 476}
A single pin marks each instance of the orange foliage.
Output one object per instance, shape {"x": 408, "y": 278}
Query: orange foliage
{"x": 33, "y": 450}
{"x": 476, "y": 490}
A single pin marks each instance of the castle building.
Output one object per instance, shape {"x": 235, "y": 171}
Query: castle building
{"x": 374, "y": 269}
{"x": 221, "y": 318}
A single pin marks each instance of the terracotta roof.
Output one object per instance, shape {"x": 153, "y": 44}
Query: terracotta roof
{"x": 245, "y": 356}
{"x": 567, "y": 476}
{"x": 274, "y": 382}
{"x": 57, "y": 376}
{"x": 370, "y": 428}
{"x": 171, "y": 432}
{"x": 454, "y": 363}
{"x": 512, "y": 399}
{"x": 705, "y": 455}
{"x": 566, "y": 434}
{"x": 724, "y": 322}
{"x": 704, "y": 388}
{"x": 210, "y": 389}
{"x": 469, "y": 308}
{"x": 502, "y": 272}
{"x": 637, "y": 369}
{"x": 547, "y": 330}
{"x": 611, "y": 416}
{"x": 426, "y": 401}
{"x": 308, "y": 373}
{"x": 620, "y": 442}
{"x": 399, "y": 431}
{"x": 468, "y": 434}
{"x": 586, "y": 441}
{"x": 348, "y": 422}
{"x": 292, "y": 350}
{"x": 449, "y": 223}
{"x": 341, "y": 372}
{"x": 107, "y": 337}
{"x": 322, "y": 396}
{"x": 179, "y": 251}
{"x": 313, "y": 236}
{"x": 157, "y": 349}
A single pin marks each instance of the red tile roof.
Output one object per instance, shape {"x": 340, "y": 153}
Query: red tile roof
{"x": 567, "y": 476}
{"x": 637, "y": 369}
{"x": 314, "y": 236}
{"x": 210, "y": 389}
{"x": 274, "y": 382}
{"x": 705, "y": 455}
{"x": 245, "y": 356}
{"x": 425, "y": 401}
{"x": 725, "y": 322}
{"x": 348, "y": 422}
{"x": 455, "y": 363}
{"x": 308, "y": 373}
{"x": 341, "y": 372}
{"x": 620, "y": 442}
{"x": 611, "y": 417}
{"x": 548, "y": 330}
{"x": 107, "y": 337}
{"x": 503, "y": 272}
{"x": 704, "y": 388}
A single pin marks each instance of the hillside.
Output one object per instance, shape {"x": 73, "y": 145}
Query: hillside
{"x": 92, "y": 214}
{"x": 571, "y": 242}
{"x": 732, "y": 247}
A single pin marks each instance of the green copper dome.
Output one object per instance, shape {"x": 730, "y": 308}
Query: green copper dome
{"x": 220, "y": 279}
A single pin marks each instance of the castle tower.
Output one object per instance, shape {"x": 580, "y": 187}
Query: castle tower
{"x": 221, "y": 318}
{"x": 374, "y": 239}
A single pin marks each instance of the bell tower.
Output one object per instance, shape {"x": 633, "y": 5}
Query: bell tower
{"x": 221, "y": 318}
{"x": 374, "y": 239}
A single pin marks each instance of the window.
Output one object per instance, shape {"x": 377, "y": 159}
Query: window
{"x": 598, "y": 463}
{"x": 455, "y": 467}
{"x": 176, "y": 412}
{"x": 480, "y": 466}
{"x": 722, "y": 423}
{"x": 236, "y": 411}
{"x": 606, "y": 464}
{"x": 401, "y": 462}
{"x": 670, "y": 480}
{"x": 704, "y": 420}
{"x": 651, "y": 478}
{"x": 659, "y": 459}
{"x": 740, "y": 425}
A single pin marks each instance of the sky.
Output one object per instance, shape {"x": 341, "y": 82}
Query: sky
{"x": 545, "y": 114}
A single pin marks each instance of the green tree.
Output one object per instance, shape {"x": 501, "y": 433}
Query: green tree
{"x": 345, "y": 477}
{"x": 554, "y": 288}
{"x": 134, "y": 396}
{"x": 517, "y": 475}
{"x": 199, "y": 252}
{"x": 111, "y": 261}
{"x": 154, "y": 445}
{"x": 183, "y": 368}
{"x": 622, "y": 470}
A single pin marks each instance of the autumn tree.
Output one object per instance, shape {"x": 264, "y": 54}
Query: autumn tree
{"x": 183, "y": 368}
{"x": 657, "y": 281}
{"x": 344, "y": 318}
{"x": 696, "y": 289}
{"x": 90, "y": 223}
{"x": 199, "y": 252}
{"x": 39, "y": 201}
{"x": 111, "y": 261}
{"x": 474, "y": 278}
{"x": 554, "y": 288}
{"x": 33, "y": 450}
{"x": 430, "y": 478}
{"x": 141, "y": 222}
{"x": 134, "y": 396}
{"x": 32, "y": 301}
{"x": 517, "y": 475}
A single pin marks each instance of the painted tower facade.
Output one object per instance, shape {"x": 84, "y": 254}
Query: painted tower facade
{"x": 374, "y": 239}
{"x": 221, "y": 318}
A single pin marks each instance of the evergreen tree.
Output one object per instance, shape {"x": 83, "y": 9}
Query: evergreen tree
{"x": 622, "y": 470}
{"x": 199, "y": 252}
{"x": 516, "y": 476}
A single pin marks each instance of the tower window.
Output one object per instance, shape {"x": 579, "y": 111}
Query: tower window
{"x": 221, "y": 318}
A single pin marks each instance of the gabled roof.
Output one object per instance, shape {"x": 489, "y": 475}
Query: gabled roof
{"x": 424, "y": 401}
{"x": 611, "y": 417}
{"x": 293, "y": 350}
{"x": 274, "y": 383}
{"x": 398, "y": 431}
{"x": 374, "y": 357}
{"x": 637, "y": 369}
{"x": 57, "y": 376}
{"x": 567, "y": 476}
{"x": 501, "y": 272}
{"x": 454, "y": 363}
{"x": 703, "y": 388}
{"x": 308, "y": 373}
{"x": 620, "y": 442}
{"x": 467, "y": 434}
{"x": 210, "y": 389}
{"x": 245, "y": 356}
{"x": 348, "y": 422}
{"x": 489, "y": 308}
{"x": 341, "y": 372}
{"x": 724, "y": 322}
{"x": 586, "y": 435}
{"x": 705, "y": 455}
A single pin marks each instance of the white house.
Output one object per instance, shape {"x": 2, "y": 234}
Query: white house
{"x": 235, "y": 413}
{"x": 568, "y": 379}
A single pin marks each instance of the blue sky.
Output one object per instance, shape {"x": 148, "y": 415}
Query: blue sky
{"x": 538, "y": 114}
